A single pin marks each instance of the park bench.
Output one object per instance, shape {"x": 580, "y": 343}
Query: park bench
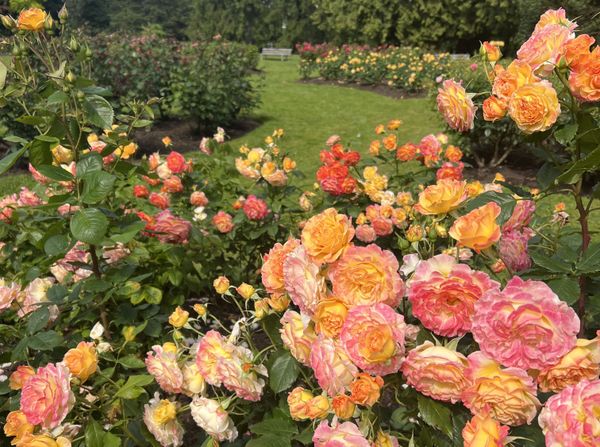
{"x": 282, "y": 53}
{"x": 460, "y": 56}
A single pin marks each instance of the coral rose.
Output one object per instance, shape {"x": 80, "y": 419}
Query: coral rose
{"x": 140, "y": 191}
{"x": 478, "y": 229}
{"x": 525, "y": 325}
{"x": 255, "y": 208}
{"x": 516, "y": 75}
{"x": 171, "y": 229}
{"x": 82, "y": 361}
{"x": 46, "y": 397}
{"x": 326, "y": 235}
{"x": 162, "y": 364}
{"x": 272, "y": 268}
{"x": 585, "y": 79}
{"x": 367, "y": 275}
{"x": 31, "y": 19}
{"x": 436, "y": 371}
{"x": 223, "y": 222}
{"x": 365, "y": 233}
{"x": 509, "y": 394}
{"x": 172, "y": 185}
{"x": 198, "y": 198}
{"x": 483, "y": 431}
{"x": 331, "y": 365}
{"x": 373, "y": 335}
{"x": 580, "y": 363}
{"x": 494, "y": 108}
{"x": 176, "y": 163}
{"x": 365, "y": 389}
{"x": 445, "y": 196}
{"x": 534, "y": 107}
{"x": 303, "y": 281}
{"x": 577, "y": 50}
{"x": 210, "y": 416}
{"x": 329, "y": 317}
{"x": 407, "y": 152}
{"x": 456, "y": 106}
{"x": 160, "y": 417}
{"x": 570, "y": 418}
{"x": 297, "y": 335}
{"x": 159, "y": 200}
{"x": 346, "y": 434}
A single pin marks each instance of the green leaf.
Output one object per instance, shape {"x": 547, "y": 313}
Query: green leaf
{"x": 276, "y": 425}
{"x": 7, "y": 162}
{"x": 577, "y": 169}
{"x": 132, "y": 362}
{"x": 505, "y": 201}
{"x": 133, "y": 387}
{"x": 270, "y": 441}
{"x": 55, "y": 173}
{"x": 550, "y": 264}
{"x": 89, "y": 225}
{"x": 45, "y": 341}
{"x": 94, "y": 435}
{"x": 90, "y": 163}
{"x": 151, "y": 295}
{"x": 98, "y": 111}
{"x": 3, "y": 72}
{"x": 591, "y": 259}
{"x": 547, "y": 175}
{"x": 39, "y": 153}
{"x": 283, "y": 371}
{"x": 565, "y": 134}
{"x": 111, "y": 440}
{"x": 131, "y": 232}
{"x": 58, "y": 97}
{"x": 435, "y": 414}
{"x": 567, "y": 289}
{"x": 38, "y": 320}
{"x": 96, "y": 186}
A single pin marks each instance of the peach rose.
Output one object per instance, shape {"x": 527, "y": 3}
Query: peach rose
{"x": 365, "y": 389}
{"x": 407, "y": 152}
{"x": 176, "y": 163}
{"x": 31, "y": 19}
{"x": 9, "y": 291}
{"x": 160, "y": 417}
{"x": 210, "y": 416}
{"x": 555, "y": 17}
{"x": 390, "y": 142}
{"x": 46, "y": 397}
{"x": 373, "y": 335}
{"x": 221, "y": 285}
{"x": 17, "y": 426}
{"x": 272, "y": 268}
{"x": 345, "y": 434}
{"x": 198, "y": 198}
{"x": 580, "y": 363}
{"x": 585, "y": 79}
{"x": 436, "y": 371}
{"x": 494, "y": 109}
{"x": 509, "y": 394}
{"x": 329, "y": 317}
{"x": 303, "y": 280}
{"x": 456, "y": 106}
{"x": 171, "y": 229}
{"x": 445, "y": 196}
{"x": 525, "y": 325}
{"x": 297, "y": 335}
{"x": 570, "y": 418}
{"x": 326, "y": 236}
{"x": 172, "y": 185}
{"x": 534, "y": 107}
{"x": 477, "y": 229}
{"x": 516, "y": 75}
{"x": 483, "y": 431}
{"x": 343, "y": 407}
{"x": 212, "y": 349}
{"x": 303, "y": 405}
{"x": 162, "y": 364}
{"x": 20, "y": 376}
{"x": 223, "y": 222}
{"x": 331, "y": 365}
{"x": 82, "y": 361}
{"x": 367, "y": 275}
{"x": 443, "y": 294}
{"x": 365, "y": 233}
{"x": 544, "y": 48}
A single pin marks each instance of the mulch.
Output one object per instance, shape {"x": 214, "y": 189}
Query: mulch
{"x": 380, "y": 89}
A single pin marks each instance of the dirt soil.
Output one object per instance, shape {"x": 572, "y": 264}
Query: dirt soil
{"x": 390, "y": 92}
{"x": 515, "y": 176}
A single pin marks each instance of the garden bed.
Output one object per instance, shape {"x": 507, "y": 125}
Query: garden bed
{"x": 380, "y": 89}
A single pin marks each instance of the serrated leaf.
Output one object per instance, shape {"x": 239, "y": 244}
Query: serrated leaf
{"x": 550, "y": 264}
{"x": 98, "y": 111}
{"x": 132, "y": 362}
{"x": 567, "y": 289}
{"x": 94, "y": 435}
{"x": 90, "y": 163}
{"x": 55, "y": 173}
{"x": 56, "y": 245}
{"x": 577, "y": 169}
{"x": 151, "y": 295}
{"x": 133, "y": 388}
{"x": 283, "y": 371}
{"x": 435, "y": 414}
{"x": 276, "y": 426}
{"x": 38, "y": 320}
{"x": 591, "y": 259}
{"x": 96, "y": 186}
{"x": 89, "y": 225}
{"x": 58, "y": 97}
{"x": 45, "y": 341}
{"x": 565, "y": 134}
{"x": 505, "y": 201}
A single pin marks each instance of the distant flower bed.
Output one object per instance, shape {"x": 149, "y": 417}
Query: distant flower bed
{"x": 406, "y": 68}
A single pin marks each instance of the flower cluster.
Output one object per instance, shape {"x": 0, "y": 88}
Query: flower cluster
{"x": 334, "y": 175}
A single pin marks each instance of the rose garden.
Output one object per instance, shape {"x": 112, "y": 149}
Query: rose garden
{"x": 376, "y": 242}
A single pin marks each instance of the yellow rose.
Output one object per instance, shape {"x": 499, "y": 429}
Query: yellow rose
{"x": 31, "y": 19}
{"x": 303, "y": 405}
{"x": 327, "y": 235}
{"x": 478, "y": 229}
{"x": 200, "y": 309}
{"x": 261, "y": 308}
{"x": 126, "y": 151}
{"x": 279, "y": 302}
{"x": 17, "y": 425}
{"x": 43, "y": 441}
{"x": 329, "y": 317}
{"x": 164, "y": 412}
{"x": 474, "y": 188}
{"x": 343, "y": 407}
{"x": 534, "y": 107}
{"x": 268, "y": 168}
{"x": 62, "y": 155}
{"x": 490, "y": 51}
{"x": 414, "y": 233}
{"x": 508, "y": 80}
{"x": 178, "y": 318}
{"x": 221, "y": 285}
{"x": 245, "y": 290}
{"x": 82, "y": 361}
{"x": 445, "y": 196}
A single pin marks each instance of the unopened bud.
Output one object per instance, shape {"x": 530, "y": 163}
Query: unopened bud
{"x": 49, "y": 22}
{"x": 73, "y": 45}
{"x": 63, "y": 14}
{"x": 8, "y": 22}
{"x": 71, "y": 77}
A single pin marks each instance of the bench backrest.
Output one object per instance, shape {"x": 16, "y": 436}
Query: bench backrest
{"x": 277, "y": 51}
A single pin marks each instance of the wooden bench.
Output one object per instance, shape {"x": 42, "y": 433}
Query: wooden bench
{"x": 460, "y": 56}
{"x": 282, "y": 53}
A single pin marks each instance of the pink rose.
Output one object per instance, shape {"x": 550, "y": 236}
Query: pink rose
{"x": 513, "y": 249}
{"x": 162, "y": 364}
{"x": 345, "y": 434}
{"x": 365, "y": 233}
{"x": 331, "y": 365}
{"x": 171, "y": 229}
{"x": 9, "y": 291}
{"x": 176, "y": 162}
{"x": 255, "y": 208}
{"x": 198, "y": 198}
{"x": 223, "y": 222}
{"x": 302, "y": 280}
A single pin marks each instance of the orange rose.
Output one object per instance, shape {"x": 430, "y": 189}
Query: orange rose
{"x": 303, "y": 405}
{"x": 19, "y": 377}
{"x": 365, "y": 390}
{"x": 446, "y": 195}
{"x": 490, "y": 51}
{"x": 494, "y": 109}
{"x": 327, "y": 235}
{"x": 577, "y": 50}
{"x": 407, "y": 152}
{"x": 453, "y": 154}
{"x": 329, "y": 317}
{"x": 31, "y": 19}
{"x": 478, "y": 229}
{"x": 279, "y": 302}
{"x": 516, "y": 75}
{"x": 389, "y": 142}
{"x": 394, "y": 124}
{"x": 535, "y": 107}
{"x": 375, "y": 147}
{"x": 343, "y": 407}
{"x": 17, "y": 426}
{"x": 585, "y": 80}
{"x": 82, "y": 361}
{"x": 482, "y": 430}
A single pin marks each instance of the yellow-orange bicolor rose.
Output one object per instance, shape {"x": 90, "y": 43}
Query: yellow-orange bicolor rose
{"x": 17, "y": 426}
{"x": 303, "y": 405}
{"x": 390, "y": 142}
{"x": 580, "y": 363}
{"x": 483, "y": 431}
{"x": 179, "y": 317}
{"x": 164, "y": 412}
{"x": 326, "y": 235}
{"x": 456, "y": 105}
{"x": 19, "y": 377}
{"x": 279, "y": 302}
{"x": 478, "y": 229}
{"x": 490, "y": 51}
{"x": 343, "y": 407}
{"x": 365, "y": 389}
{"x": 221, "y": 285}
{"x": 82, "y": 361}
{"x": 446, "y": 195}
{"x": 288, "y": 164}
{"x": 585, "y": 80}
{"x": 494, "y": 108}
{"x": 329, "y": 317}
{"x": 475, "y": 188}
{"x": 394, "y": 124}
{"x": 534, "y": 107}
{"x": 31, "y": 19}
{"x": 245, "y": 290}
{"x": 516, "y": 75}
{"x": 43, "y": 441}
